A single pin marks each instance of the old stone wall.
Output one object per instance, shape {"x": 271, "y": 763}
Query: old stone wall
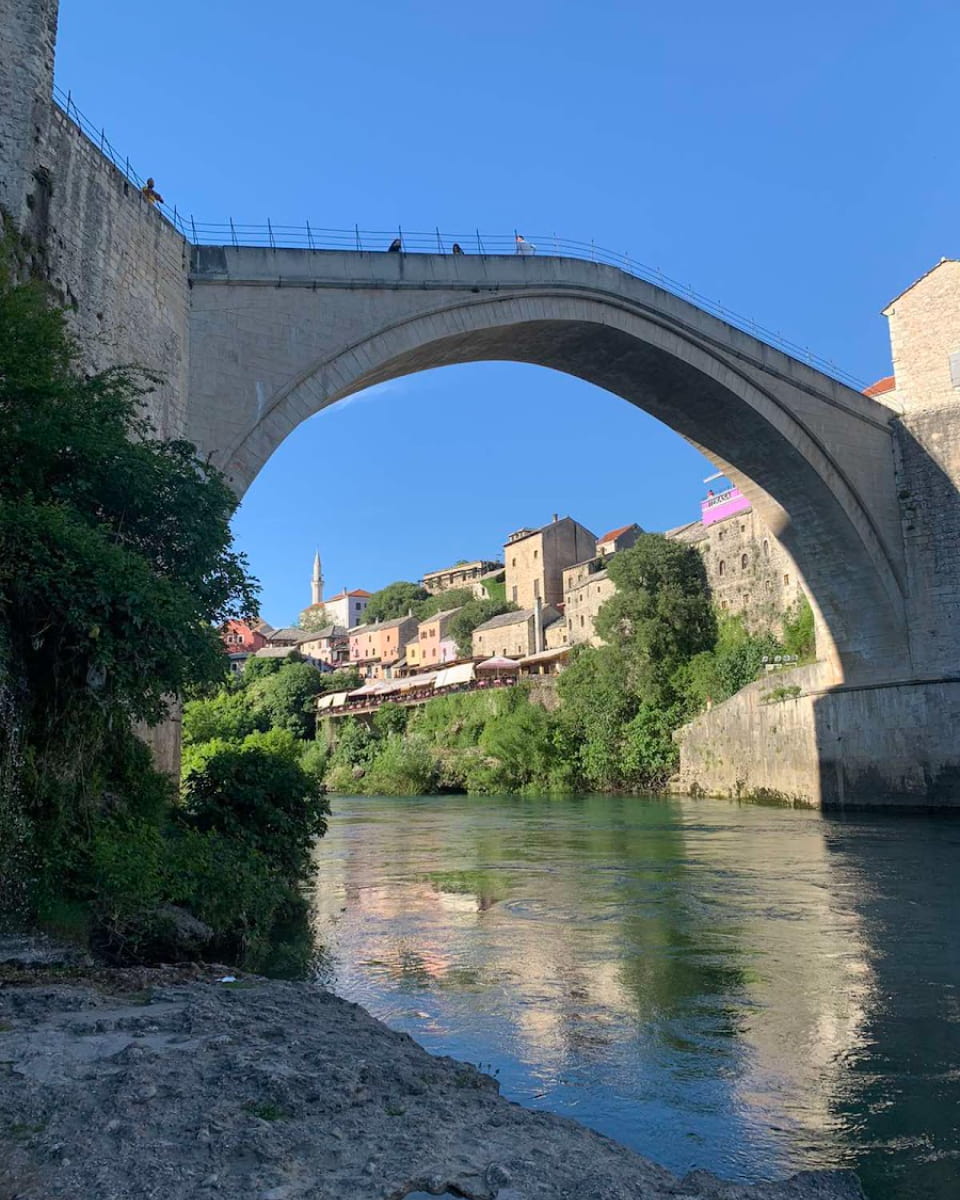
{"x": 925, "y": 340}
{"x": 116, "y": 263}
{"x": 749, "y": 572}
{"x": 29, "y": 30}
{"x": 753, "y": 742}
{"x": 792, "y": 737}
{"x": 927, "y": 453}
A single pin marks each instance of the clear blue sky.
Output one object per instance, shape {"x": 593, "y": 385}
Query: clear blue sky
{"x": 797, "y": 163}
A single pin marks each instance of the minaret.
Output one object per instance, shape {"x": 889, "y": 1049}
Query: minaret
{"x": 316, "y": 584}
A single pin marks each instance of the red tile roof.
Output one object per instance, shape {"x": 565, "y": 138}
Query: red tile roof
{"x": 887, "y": 384}
{"x": 355, "y": 592}
{"x": 615, "y": 533}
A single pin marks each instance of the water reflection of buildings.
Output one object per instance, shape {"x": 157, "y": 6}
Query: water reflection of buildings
{"x": 717, "y": 941}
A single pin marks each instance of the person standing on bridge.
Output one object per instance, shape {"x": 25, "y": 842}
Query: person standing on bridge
{"x": 150, "y": 194}
{"x": 525, "y": 247}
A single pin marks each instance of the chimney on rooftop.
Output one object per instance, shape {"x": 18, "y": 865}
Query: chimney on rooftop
{"x": 556, "y": 517}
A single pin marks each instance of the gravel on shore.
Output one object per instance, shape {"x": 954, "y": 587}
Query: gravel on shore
{"x": 164, "y": 1084}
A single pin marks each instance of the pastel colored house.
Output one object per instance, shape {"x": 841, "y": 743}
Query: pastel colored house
{"x": 329, "y": 646}
{"x": 378, "y": 649}
{"x": 433, "y": 643}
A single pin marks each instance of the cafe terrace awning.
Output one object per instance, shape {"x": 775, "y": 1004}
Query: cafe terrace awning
{"x": 498, "y": 663}
{"x": 427, "y": 679}
{"x": 376, "y": 687}
{"x": 332, "y": 699}
{"x": 545, "y": 656}
{"x": 449, "y": 676}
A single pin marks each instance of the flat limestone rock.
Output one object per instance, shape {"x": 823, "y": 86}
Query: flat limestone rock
{"x": 283, "y": 1091}
{"x": 35, "y": 952}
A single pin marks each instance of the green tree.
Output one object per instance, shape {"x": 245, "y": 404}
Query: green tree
{"x": 286, "y": 698}
{"x": 227, "y": 715}
{"x": 660, "y": 614}
{"x": 116, "y": 561}
{"x": 395, "y": 600}
{"x": 598, "y": 700}
{"x": 734, "y": 661}
{"x": 313, "y": 619}
{"x": 443, "y": 602}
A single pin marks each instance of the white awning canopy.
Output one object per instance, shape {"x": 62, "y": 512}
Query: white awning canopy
{"x": 332, "y": 699}
{"x": 427, "y": 679}
{"x": 450, "y": 676}
{"x": 376, "y": 687}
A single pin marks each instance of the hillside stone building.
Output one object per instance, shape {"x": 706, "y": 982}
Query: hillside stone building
{"x": 748, "y": 571}
{"x": 535, "y": 559}
{"x": 515, "y": 634}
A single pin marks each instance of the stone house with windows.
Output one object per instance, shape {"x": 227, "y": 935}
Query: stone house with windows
{"x": 586, "y": 586}
{"x": 748, "y": 571}
{"x": 618, "y": 539}
{"x": 514, "y": 634}
{"x": 535, "y": 559}
{"x": 379, "y": 649}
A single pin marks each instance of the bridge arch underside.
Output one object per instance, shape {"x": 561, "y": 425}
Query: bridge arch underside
{"x": 799, "y": 489}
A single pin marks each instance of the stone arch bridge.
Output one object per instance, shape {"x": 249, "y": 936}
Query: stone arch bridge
{"x": 276, "y": 335}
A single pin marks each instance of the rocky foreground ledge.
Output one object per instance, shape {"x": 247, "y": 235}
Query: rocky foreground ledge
{"x": 266, "y": 1090}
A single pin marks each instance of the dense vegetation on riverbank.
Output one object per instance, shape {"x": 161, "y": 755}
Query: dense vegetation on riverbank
{"x": 668, "y": 655}
{"x": 116, "y": 568}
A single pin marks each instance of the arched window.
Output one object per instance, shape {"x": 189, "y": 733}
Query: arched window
{"x": 722, "y": 567}
{"x": 744, "y": 561}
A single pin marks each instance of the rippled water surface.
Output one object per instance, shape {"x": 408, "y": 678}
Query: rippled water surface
{"x": 751, "y": 990}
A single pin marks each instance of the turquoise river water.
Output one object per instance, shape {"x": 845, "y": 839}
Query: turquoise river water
{"x": 751, "y": 990}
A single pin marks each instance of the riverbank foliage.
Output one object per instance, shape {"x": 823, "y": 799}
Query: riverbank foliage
{"x": 116, "y": 568}
{"x": 669, "y": 655}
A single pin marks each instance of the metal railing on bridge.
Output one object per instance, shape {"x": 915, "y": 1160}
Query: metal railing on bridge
{"x": 317, "y": 237}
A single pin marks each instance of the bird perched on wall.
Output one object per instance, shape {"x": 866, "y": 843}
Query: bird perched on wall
{"x": 395, "y": 246}
{"x": 457, "y": 248}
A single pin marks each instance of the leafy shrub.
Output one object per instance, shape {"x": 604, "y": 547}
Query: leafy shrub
{"x": 260, "y": 799}
{"x": 277, "y": 741}
{"x": 356, "y": 744}
{"x": 226, "y": 716}
{"x": 314, "y": 757}
{"x": 390, "y": 718}
{"x": 340, "y": 778}
{"x": 799, "y": 633}
{"x": 403, "y": 767}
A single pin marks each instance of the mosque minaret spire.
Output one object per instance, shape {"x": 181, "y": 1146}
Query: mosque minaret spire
{"x": 316, "y": 583}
